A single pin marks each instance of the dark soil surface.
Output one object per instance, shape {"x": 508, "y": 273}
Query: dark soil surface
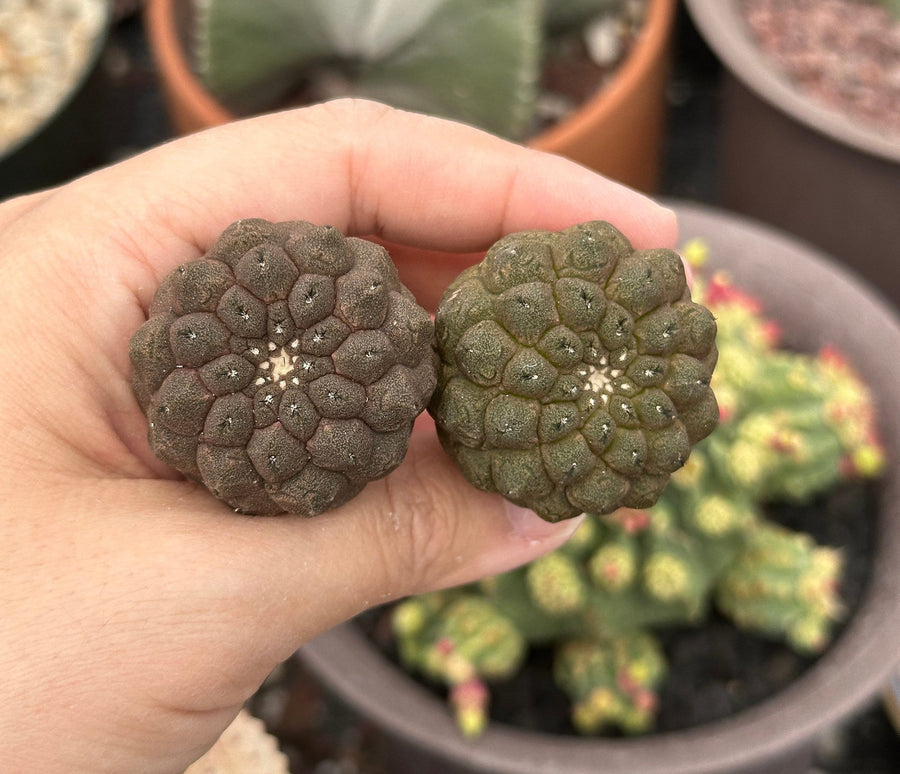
{"x": 716, "y": 670}
{"x": 843, "y": 53}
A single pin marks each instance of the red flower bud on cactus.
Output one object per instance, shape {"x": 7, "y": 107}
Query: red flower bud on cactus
{"x": 470, "y": 702}
{"x": 785, "y": 443}
{"x": 726, "y": 412}
{"x": 771, "y": 332}
{"x": 627, "y": 684}
{"x": 444, "y": 646}
{"x": 645, "y": 701}
{"x": 631, "y": 520}
{"x": 720, "y": 291}
{"x": 611, "y": 571}
{"x": 831, "y": 356}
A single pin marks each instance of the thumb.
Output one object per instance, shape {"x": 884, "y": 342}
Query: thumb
{"x": 421, "y": 528}
{"x": 151, "y": 594}
{"x": 426, "y": 527}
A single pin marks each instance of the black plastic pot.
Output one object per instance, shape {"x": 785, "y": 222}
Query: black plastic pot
{"x": 792, "y": 162}
{"x": 817, "y": 302}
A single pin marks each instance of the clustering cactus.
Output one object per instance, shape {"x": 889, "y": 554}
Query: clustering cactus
{"x": 470, "y": 60}
{"x": 792, "y": 425}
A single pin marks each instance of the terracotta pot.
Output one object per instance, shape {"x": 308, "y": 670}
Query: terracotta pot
{"x": 792, "y": 162}
{"x": 817, "y": 302}
{"x": 619, "y": 132}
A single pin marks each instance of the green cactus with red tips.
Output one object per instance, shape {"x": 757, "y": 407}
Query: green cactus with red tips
{"x": 459, "y": 640}
{"x": 792, "y": 425}
{"x": 611, "y": 682}
{"x": 783, "y": 584}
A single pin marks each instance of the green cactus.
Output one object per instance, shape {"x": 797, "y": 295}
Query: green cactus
{"x": 611, "y": 682}
{"x": 465, "y": 59}
{"x": 794, "y": 422}
{"x": 792, "y": 426}
{"x": 470, "y": 60}
{"x": 459, "y": 640}
{"x": 574, "y": 371}
{"x": 783, "y": 584}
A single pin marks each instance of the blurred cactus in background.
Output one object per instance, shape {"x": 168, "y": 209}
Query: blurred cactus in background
{"x": 792, "y": 426}
{"x": 469, "y": 60}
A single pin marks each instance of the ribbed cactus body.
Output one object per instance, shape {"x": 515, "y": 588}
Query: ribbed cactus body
{"x": 285, "y": 368}
{"x": 574, "y": 371}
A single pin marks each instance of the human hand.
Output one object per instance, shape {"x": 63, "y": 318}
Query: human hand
{"x": 137, "y": 613}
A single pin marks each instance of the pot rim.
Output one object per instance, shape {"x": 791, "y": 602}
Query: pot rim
{"x": 726, "y": 33}
{"x": 853, "y": 670}
{"x": 183, "y": 81}
{"x": 174, "y": 66}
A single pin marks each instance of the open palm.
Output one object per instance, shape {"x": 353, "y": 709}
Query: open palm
{"x": 137, "y": 613}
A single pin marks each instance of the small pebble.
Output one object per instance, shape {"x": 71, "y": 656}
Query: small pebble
{"x": 604, "y": 40}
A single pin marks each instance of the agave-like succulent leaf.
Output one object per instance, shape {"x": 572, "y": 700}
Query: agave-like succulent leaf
{"x": 248, "y": 54}
{"x": 469, "y": 60}
{"x": 373, "y": 29}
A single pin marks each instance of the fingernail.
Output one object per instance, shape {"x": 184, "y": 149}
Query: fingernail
{"x": 529, "y": 537}
{"x": 688, "y": 273}
{"x": 527, "y": 525}
{"x": 667, "y": 211}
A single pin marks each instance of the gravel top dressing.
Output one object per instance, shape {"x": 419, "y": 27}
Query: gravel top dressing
{"x": 45, "y": 46}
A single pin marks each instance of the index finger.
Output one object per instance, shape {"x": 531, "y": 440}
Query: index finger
{"x": 366, "y": 169}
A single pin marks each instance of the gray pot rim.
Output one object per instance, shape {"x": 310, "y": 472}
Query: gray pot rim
{"x": 799, "y": 285}
{"x": 725, "y": 32}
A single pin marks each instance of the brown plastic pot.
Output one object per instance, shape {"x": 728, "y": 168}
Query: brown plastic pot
{"x": 799, "y": 165}
{"x": 817, "y": 302}
{"x": 618, "y": 133}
